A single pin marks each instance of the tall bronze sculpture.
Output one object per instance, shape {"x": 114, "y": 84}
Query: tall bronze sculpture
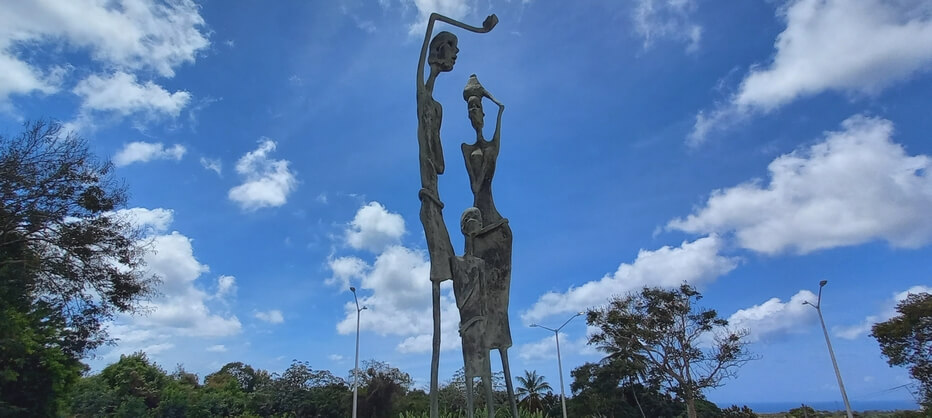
{"x": 482, "y": 276}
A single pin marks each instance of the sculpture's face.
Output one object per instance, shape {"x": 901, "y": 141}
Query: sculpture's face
{"x": 476, "y": 115}
{"x": 471, "y": 226}
{"x": 446, "y": 55}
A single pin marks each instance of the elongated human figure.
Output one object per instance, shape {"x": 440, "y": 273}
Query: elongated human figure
{"x": 440, "y": 55}
{"x": 491, "y": 243}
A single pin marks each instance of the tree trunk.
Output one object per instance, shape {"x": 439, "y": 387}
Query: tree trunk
{"x": 691, "y": 407}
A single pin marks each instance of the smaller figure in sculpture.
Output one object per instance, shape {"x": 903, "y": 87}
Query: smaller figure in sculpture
{"x": 470, "y": 281}
{"x": 491, "y": 242}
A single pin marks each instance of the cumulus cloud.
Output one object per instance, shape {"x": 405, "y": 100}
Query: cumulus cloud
{"x": 395, "y": 287}
{"x": 182, "y": 306}
{"x": 346, "y": 269}
{"x": 667, "y": 19}
{"x": 273, "y": 316}
{"x": 180, "y": 310}
{"x": 128, "y": 36}
{"x": 889, "y": 311}
{"x": 142, "y": 152}
{"x": 855, "y": 186}
{"x": 774, "y": 317}
{"x": 853, "y": 47}
{"x": 151, "y": 220}
{"x": 373, "y": 228}
{"x": 267, "y": 182}
{"x": 122, "y": 94}
{"x": 546, "y": 348}
{"x": 694, "y": 262}
{"x": 226, "y": 286}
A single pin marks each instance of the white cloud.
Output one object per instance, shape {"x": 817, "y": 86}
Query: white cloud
{"x": 856, "y": 47}
{"x": 273, "y": 316}
{"x": 455, "y": 9}
{"x": 18, "y": 77}
{"x": 396, "y": 291}
{"x": 855, "y": 186}
{"x": 694, "y": 262}
{"x": 889, "y": 311}
{"x": 268, "y": 182}
{"x": 546, "y": 348}
{"x": 122, "y": 94}
{"x": 145, "y": 151}
{"x": 219, "y": 348}
{"x": 151, "y": 220}
{"x": 775, "y": 317}
{"x": 211, "y": 164}
{"x": 180, "y": 310}
{"x": 667, "y": 19}
{"x": 127, "y": 37}
{"x": 182, "y": 305}
{"x": 346, "y": 269}
{"x": 226, "y": 286}
{"x": 335, "y": 358}
{"x": 373, "y": 228}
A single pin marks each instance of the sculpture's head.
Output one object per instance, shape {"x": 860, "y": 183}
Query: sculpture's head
{"x": 442, "y": 51}
{"x": 473, "y": 93}
{"x": 471, "y": 221}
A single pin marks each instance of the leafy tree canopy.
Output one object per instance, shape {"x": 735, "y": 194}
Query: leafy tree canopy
{"x": 906, "y": 340}
{"x": 665, "y": 332}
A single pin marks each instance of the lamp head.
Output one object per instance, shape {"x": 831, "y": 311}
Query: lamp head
{"x": 533, "y": 325}
{"x": 806, "y": 302}
{"x": 823, "y": 283}
{"x": 352, "y": 289}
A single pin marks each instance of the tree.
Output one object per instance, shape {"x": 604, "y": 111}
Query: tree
{"x": 607, "y": 389}
{"x": 664, "y": 330}
{"x": 531, "y": 388}
{"x": 382, "y": 386}
{"x": 68, "y": 263}
{"x": 906, "y": 340}
{"x": 735, "y": 412}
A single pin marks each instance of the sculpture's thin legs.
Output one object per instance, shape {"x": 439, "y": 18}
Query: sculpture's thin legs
{"x": 469, "y": 398}
{"x": 435, "y": 353}
{"x": 508, "y": 385}
{"x": 489, "y": 399}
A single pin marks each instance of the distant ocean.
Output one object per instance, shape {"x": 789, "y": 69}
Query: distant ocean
{"x": 773, "y": 407}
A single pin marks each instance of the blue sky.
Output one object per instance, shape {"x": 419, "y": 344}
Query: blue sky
{"x": 750, "y": 148}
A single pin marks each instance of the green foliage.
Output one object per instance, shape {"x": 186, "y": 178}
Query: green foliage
{"x": 453, "y": 394}
{"x": 609, "y": 389}
{"x": 806, "y": 411}
{"x": 661, "y": 331}
{"x": 67, "y": 264}
{"x": 522, "y": 413}
{"x": 735, "y": 412}
{"x": 530, "y": 390}
{"x": 906, "y": 340}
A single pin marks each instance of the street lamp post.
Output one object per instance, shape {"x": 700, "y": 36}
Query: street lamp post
{"x": 831, "y": 353}
{"x": 556, "y": 334}
{"x": 356, "y": 366}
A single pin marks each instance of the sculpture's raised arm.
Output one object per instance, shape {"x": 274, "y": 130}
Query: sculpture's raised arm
{"x": 498, "y": 123}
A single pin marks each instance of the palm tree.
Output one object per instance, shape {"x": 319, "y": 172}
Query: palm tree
{"x": 531, "y": 387}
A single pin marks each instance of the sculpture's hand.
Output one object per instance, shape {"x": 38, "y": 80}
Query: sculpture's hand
{"x": 487, "y": 25}
{"x": 490, "y": 22}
